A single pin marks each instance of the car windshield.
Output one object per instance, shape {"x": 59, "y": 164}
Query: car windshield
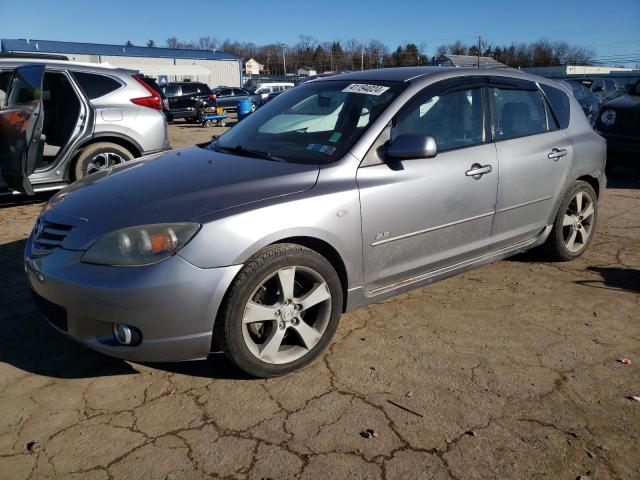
{"x": 317, "y": 122}
{"x": 579, "y": 91}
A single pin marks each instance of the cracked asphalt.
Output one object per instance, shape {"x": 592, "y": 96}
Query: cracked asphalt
{"x": 507, "y": 371}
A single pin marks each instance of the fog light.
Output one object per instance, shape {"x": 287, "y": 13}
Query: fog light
{"x": 126, "y": 335}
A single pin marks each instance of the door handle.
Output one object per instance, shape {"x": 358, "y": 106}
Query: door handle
{"x": 477, "y": 171}
{"x": 557, "y": 153}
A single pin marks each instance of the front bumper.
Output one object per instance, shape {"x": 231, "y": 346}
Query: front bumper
{"x": 173, "y": 303}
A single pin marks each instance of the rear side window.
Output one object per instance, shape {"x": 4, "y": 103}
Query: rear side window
{"x": 189, "y": 89}
{"x": 172, "y": 91}
{"x": 94, "y": 85}
{"x": 518, "y": 113}
{"x": 202, "y": 88}
{"x": 559, "y": 104}
{"x": 26, "y": 86}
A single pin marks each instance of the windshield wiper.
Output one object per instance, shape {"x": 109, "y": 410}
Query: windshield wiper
{"x": 246, "y": 152}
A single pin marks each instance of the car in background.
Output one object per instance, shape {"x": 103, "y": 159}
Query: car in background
{"x": 619, "y": 122}
{"x": 261, "y": 91}
{"x": 62, "y": 121}
{"x": 165, "y": 102}
{"x": 272, "y": 95}
{"x": 188, "y": 99}
{"x": 606, "y": 89}
{"x": 257, "y": 242}
{"x": 589, "y": 102}
{"x": 228, "y": 97}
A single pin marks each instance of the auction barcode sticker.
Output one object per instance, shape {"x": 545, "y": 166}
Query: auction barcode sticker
{"x": 366, "y": 89}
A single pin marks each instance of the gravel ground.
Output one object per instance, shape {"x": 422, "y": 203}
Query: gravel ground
{"x": 508, "y": 371}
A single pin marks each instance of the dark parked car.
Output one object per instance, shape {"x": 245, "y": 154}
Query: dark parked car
{"x": 619, "y": 122}
{"x": 589, "y": 102}
{"x": 187, "y": 99}
{"x": 606, "y": 89}
{"x": 228, "y": 97}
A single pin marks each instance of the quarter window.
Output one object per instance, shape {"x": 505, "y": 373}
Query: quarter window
{"x": 559, "y": 104}
{"x": 518, "y": 113}
{"x": 95, "y": 86}
{"x": 454, "y": 119}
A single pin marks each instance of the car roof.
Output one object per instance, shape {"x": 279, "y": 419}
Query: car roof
{"x": 65, "y": 64}
{"x": 409, "y": 74}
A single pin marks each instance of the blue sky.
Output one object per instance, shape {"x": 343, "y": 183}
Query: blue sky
{"x": 611, "y": 28}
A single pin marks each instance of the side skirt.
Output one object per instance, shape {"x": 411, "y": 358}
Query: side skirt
{"x": 360, "y": 296}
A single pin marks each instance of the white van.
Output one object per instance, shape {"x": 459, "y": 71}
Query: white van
{"x": 261, "y": 91}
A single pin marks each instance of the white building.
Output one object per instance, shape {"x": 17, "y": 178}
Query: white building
{"x": 306, "y": 72}
{"x": 574, "y": 70}
{"x": 166, "y": 64}
{"x": 252, "y": 67}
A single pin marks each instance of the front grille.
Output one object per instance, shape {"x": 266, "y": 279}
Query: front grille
{"x": 55, "y": 314}
{"x": 49, "y": 235}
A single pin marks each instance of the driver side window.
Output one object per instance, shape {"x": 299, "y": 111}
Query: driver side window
{"x": 455, "y": 119}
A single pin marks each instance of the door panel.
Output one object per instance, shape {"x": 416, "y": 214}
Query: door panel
{"x": 530, "y": 183}
{"x": 534, "y": 158}
{"x": 21, "y": 128}
{"x": 418, "y": 215}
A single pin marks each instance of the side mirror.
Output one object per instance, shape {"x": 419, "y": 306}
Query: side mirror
{"x": 406, "y": 147}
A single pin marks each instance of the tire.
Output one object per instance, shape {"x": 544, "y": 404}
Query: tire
{"x": 567, "y": 241}
{"x": 253, "y": 107}
{"x": 275, "y": 347}
{"x": 99, "y": 156}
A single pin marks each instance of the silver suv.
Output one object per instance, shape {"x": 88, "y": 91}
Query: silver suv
{"x": 81, "y": 118}
{"x": 340, "y": 192}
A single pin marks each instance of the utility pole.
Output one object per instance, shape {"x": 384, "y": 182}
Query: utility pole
{"x": 362, "y": 53}
{"x": 284, "y": 60}
{"x": 479, "y": 43}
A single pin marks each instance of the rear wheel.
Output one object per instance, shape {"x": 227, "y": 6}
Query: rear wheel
{"x": 575, "y": 223}
{"x": 281, "y": 311}
{"x": 100, "y": 156}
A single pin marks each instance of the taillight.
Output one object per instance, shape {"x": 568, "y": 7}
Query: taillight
{"x": 152, "y": 101}
{"x": 213, "y": 97}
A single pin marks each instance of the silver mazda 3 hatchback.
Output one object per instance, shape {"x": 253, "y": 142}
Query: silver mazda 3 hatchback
{"x": 338, "y": 193}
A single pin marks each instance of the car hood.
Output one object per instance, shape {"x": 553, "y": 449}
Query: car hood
{"x": 627, "y": 102}
{"x": 176, "y": 186}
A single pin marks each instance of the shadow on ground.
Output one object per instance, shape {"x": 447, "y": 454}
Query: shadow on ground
{"x": 20, "y": 200}
{"x": 29, "y": 343}
{"x": 614, "y": 278}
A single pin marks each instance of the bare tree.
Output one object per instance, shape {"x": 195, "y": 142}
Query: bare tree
{"x": 207, "y": 43}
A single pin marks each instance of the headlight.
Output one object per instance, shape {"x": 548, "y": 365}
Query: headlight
{"x": 608, "y": 117}
{"x": 140, "y": 245}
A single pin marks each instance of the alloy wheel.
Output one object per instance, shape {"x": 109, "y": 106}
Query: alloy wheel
{"x": 577, "y": 223}
{"x": 103, "y": 161}
{"x": 286, "y": 315}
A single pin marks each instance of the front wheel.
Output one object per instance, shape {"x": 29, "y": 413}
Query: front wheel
{"x": 280, "y": 312}
{"x": 575, "y": 223}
